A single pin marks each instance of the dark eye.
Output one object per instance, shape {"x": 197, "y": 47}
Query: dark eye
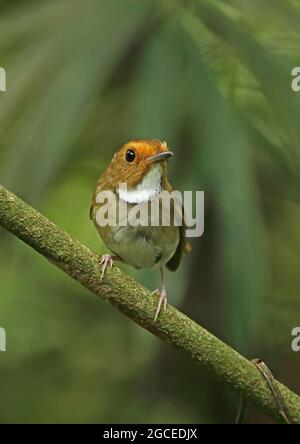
{"x": 130, "y": 156}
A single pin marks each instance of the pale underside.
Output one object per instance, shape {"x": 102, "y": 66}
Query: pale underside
{"x": 142, "y": 246}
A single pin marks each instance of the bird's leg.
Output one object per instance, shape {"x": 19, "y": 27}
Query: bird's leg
{"x": 162, "y": 296}
{"x": 106, "y": 260}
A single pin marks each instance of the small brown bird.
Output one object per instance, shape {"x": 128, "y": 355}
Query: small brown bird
{"x": 142, "y": 166}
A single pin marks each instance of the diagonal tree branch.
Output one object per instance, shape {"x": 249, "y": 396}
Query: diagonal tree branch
{"x": 136, "y": 302}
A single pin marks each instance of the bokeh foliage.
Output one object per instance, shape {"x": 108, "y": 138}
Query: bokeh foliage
{"x": 213, "y": 78}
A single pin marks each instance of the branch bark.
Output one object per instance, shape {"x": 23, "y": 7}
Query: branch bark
{"x": 221, "y": 361}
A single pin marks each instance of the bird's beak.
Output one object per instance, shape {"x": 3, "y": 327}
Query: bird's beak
{"x": 161, "y": 156}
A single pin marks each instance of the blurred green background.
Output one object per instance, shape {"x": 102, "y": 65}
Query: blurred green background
{"x": 213, "y": 78}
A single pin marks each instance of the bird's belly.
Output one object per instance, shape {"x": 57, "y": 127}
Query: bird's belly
{"x": 142, "y": 247}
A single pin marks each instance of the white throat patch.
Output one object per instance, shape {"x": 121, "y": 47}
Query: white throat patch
{"x": 146, "y": 189}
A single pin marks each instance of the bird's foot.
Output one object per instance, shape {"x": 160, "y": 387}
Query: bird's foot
{"x": 106, "y": 260}
{"x": 162, "y": 301}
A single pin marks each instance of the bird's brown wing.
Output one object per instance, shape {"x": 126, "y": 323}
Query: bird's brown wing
{"x": 94, "y": 205}
{"x": 183, "y": 246}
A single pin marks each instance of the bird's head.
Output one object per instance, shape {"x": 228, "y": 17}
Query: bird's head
{"x": 135, "y": 161}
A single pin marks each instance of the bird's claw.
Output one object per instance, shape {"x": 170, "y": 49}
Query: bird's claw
{"x": 106, "y": 261}
{"x": 162, "y": 301}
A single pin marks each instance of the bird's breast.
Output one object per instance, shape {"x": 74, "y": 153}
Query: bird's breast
{"x": 141, "y": 246}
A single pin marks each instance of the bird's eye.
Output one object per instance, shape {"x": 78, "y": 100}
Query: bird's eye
{"x": 130, "y": 156}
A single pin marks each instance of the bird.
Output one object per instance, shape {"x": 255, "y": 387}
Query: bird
{"x": 141, "y": 165}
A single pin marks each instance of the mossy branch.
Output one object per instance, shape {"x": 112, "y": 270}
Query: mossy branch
{"x": 132, "y": 299}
